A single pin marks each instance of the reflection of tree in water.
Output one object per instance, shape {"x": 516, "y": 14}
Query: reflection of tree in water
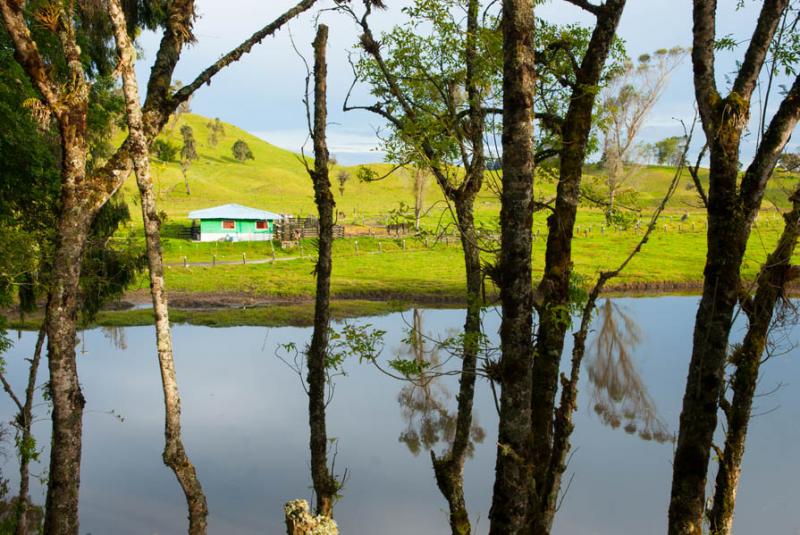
{"x": 117, "y": 337}
{"x": 424, "y": 402}
{"x": 619, "y": 394}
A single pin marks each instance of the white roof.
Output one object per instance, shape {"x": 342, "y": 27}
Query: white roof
{"x": 233, "y": 211}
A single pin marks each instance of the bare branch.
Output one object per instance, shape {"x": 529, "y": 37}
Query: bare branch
{"x": 756, "y": 54}
{"x": 587, "y": 6}
{"x": 234, "y": 55}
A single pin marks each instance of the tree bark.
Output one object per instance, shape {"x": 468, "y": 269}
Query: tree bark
{"x": 731, "y": 210}
{"x": 75, "y": 221}
{"x": 554, "y": 295}
{"x": 174, "y": 455}
{"x": 772, "y": 281}
{"x": 512, "y": 468}
{"x": 325, "y": 484}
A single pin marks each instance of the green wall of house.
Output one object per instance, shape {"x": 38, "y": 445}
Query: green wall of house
{"x": 242, "y": 226}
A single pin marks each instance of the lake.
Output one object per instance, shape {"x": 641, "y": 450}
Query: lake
{"x": 245, "y": 428}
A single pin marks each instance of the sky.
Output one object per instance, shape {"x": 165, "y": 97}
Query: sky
{"x": 262, "y": 93}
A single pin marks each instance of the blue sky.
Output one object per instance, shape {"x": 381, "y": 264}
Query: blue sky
{"x": 262, "y": 92}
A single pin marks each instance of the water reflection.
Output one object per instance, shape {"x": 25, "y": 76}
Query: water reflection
{"x": 116, "y": 335}
{"x": 620, "y": 397}
{"x": 425, "y": 402}
{"x": 245, "y": 423}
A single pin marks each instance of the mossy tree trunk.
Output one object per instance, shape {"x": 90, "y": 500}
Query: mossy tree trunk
{"x": 325, "y": 484}
{"x": 554, "y": 289}
{"x": 732, "y": 208}
{"x": 513, "y": 273}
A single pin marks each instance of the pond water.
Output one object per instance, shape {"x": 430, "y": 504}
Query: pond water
{"x": 245, "y": 427}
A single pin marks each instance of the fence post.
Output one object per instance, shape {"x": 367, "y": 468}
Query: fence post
{"x": 404, "y": 245}
{"x": 356, "y": 244}
{"x": 185, "y": 262}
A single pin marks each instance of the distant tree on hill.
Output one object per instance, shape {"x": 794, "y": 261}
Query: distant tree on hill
{"x": 188, "y": 154}
{"x": 343, "y": 176}
{"x": 164, "y": 150}
{"x": 626, "y": 103}
{"x": 216, "y": 131}
{"x": 668, "y": 151}
{"x": 790, "y": 161}
{"x": 183, "y": 107}
{"x": 242, "y": 152}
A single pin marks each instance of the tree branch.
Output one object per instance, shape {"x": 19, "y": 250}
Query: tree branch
{"x": 756, "y": 54}
{"x": 27, "y": 53}
{"x": 587, "y": 6}
{"x": 775, "y": 138}
{"x": 234, "y": 55}
{"x": 695, "y": 174}
{"x": 705, "y": 86}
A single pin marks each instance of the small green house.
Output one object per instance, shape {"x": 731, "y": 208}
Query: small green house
{"x": 234, "y": 222}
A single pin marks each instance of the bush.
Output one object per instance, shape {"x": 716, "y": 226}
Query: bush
{"x": 164, "y": 150}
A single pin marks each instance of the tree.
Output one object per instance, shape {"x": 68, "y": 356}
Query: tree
{"x": 241, "y": 151}
{"x": 188, "y": 154}
{"x": 626, "y": 102}
{"x": 83, "y": 193}
{"x": 406, "y": 71}
{"x": 216, "y": 131}
{"x": 554, "y": 299}
{"x": 734, "y": 199}
{"x": 668, "y": 151}
{"x": 508, "y": 513}
{"x": 342, "y": 177}
{"x": 164, "y": 150}
{"x": 790, "y": 161}
{"x": 420, "y": 180}
{"x": 325, "y": 484}
{"x": 174, "y": 453}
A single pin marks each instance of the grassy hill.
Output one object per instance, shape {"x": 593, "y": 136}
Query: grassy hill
{"x": 276, "y": 180}
{"x": 406, "y": 268}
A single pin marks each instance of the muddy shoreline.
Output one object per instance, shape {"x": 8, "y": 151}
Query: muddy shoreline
{"x": 223, "y": 300}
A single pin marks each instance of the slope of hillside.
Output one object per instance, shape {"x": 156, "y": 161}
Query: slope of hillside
{"x": 276, "y": 180}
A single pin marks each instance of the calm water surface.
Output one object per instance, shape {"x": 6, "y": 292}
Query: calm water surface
{"x": 244, "y": 415}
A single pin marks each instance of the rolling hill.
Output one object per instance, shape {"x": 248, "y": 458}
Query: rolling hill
{"x": 277, "y": 181}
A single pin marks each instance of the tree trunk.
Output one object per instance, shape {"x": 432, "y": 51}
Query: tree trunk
{"x": 449, "y": 469}
{"x": 299, "y": 521}
{"x": 554, "y": 294}
{"x": 772, "y": 282}
{"x": 731, "y": 210}
{"x": 185, "y": 171}
{"x": 75, "y": 221}
{"x": 726, "y": 241}
{"x": 26, "y": 421}
{"x": 512, "y": 468}
{"x": 325, "y": 484}
{"x": 174, "y": 455}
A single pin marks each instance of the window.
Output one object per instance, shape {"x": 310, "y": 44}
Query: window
{"x": 261, "y": 225}
{"x": 228, "y": 224}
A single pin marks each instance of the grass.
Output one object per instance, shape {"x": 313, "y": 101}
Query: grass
{"x": 291, "y": 314}
{"x": 383, "y": 269}
{"x": 409, "y": 269}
